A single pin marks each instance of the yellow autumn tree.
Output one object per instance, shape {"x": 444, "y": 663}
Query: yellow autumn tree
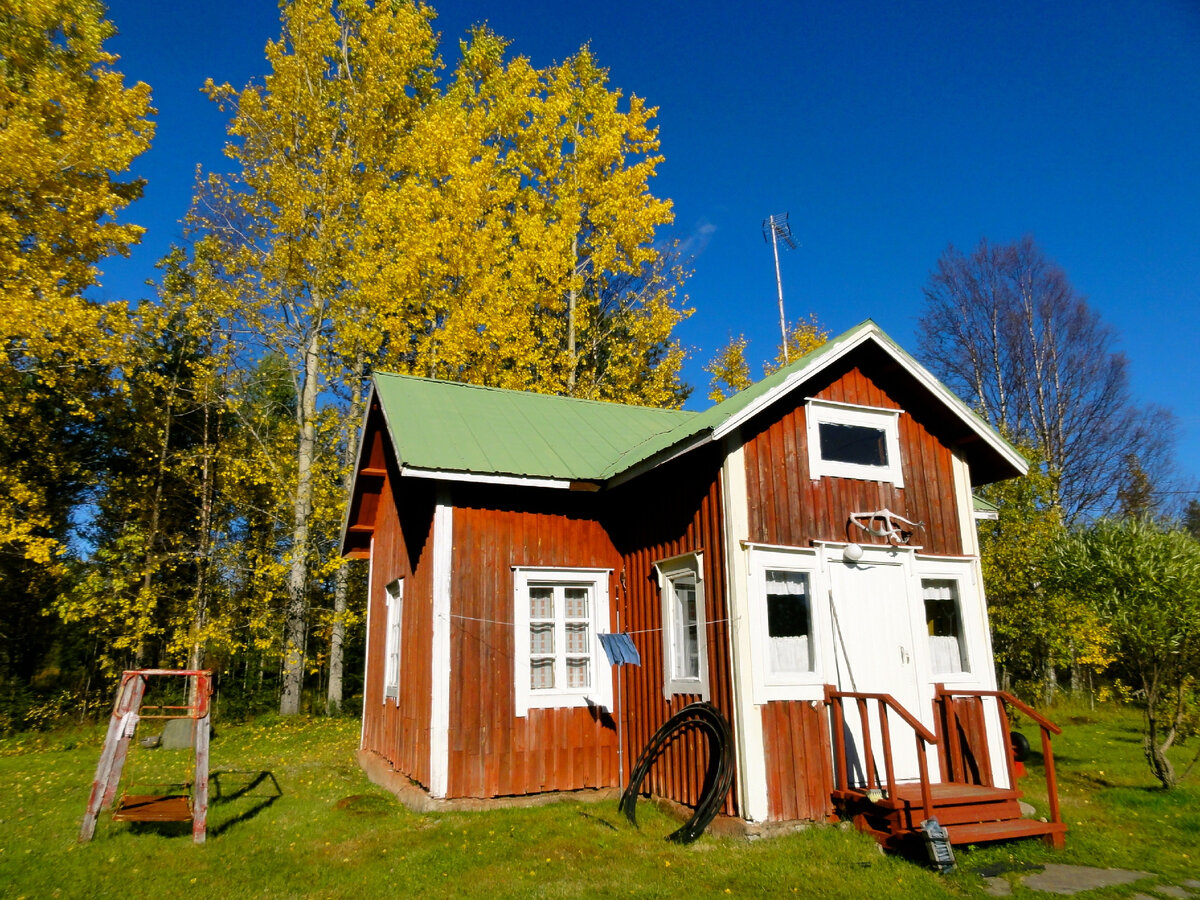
{"x": 729, "y": 372}
{"x": 345, "y": 80}
{"x": 495, "y": 226}
{"x": 69, "y": 130}
{"x": 518, "y": 249}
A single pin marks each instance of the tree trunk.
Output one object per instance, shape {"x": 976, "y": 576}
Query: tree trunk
{"x": 1049, "y": 681}
{"x": 200, "y": 588}
{"x": 572, "y": 303}
{"x": 337, "y": 636}
{"x": 150, "y": 558}
{"x": 296, "y": 617}
{"x": 1156, "y": 755}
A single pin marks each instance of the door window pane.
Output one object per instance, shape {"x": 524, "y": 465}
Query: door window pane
{"x": 789, "y": 621}
{"x": 947, "y": 644}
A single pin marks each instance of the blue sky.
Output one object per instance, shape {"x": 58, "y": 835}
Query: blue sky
{"x": 886, "y": 130}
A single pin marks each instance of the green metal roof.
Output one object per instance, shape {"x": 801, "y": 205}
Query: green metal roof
{"x": 453, "y": 427}
{"x": 449, "y": 426}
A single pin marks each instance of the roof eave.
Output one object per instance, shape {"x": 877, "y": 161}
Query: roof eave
{"x": 358, "y": 464}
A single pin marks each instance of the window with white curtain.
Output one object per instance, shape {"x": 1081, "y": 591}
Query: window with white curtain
{"x": 943, "y": 615}
{"x": 789, "y": 621}
{"x": 394, "y": 596}
{"x": 557, "y": 615}
{"x": 787, "y": 614}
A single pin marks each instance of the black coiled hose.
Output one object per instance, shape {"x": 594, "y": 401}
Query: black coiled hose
{"x": 717, "y": 779}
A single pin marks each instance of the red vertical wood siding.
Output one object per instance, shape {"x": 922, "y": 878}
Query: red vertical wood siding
{"x": 970, "y": 734}
{"x": 493, "y": 752}
{"x": 799, "y": 772}
{"x": 674, "y": 510}
{"x": 787, "y": 507}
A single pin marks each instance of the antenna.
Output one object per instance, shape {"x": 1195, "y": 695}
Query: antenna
{"x": 776, "y": 229}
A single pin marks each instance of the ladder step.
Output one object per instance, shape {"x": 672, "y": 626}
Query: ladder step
{"x": 154, "y": 808}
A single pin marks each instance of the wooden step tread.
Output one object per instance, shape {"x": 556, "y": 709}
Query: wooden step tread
{"x": 982, "y": 832}
{"x": 153, "y": 808}
{"x": 941, "y": 794}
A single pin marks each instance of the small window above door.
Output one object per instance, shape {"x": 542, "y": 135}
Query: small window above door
{"x": 847, "y": 441}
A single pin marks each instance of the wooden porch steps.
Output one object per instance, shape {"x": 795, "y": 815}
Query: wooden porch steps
{"x": 982, "y": 832}
{"x": 970, "y": 813}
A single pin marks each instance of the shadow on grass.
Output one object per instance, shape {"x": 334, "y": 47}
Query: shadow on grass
{"x": 257, "y": 789}
{"x": 231, "y": 786}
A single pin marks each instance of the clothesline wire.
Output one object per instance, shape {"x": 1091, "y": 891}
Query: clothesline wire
{"x": 513, "y": 625}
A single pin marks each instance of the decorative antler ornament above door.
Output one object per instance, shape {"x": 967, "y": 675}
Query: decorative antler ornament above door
{"x": 886, "y": 524}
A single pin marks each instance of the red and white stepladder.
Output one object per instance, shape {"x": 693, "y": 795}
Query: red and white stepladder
{"x": 128, "y": 710}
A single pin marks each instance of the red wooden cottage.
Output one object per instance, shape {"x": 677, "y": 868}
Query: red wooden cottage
{"x": 802, "y": 555}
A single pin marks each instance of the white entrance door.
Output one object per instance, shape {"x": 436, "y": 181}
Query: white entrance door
{"x": 873, "y": 653}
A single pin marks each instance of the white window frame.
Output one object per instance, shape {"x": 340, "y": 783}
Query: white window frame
{"x": 686, "y": 568}
{"x": 971, "y": 613}
{"x": 393, "y": 593}
{"x": 768, "y": 684}
{"x": 600, "y": 692}
{"x": 819, "y": 412}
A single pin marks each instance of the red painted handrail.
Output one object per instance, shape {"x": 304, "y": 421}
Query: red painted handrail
{"x": 883, "y": 702}
{"x": 1046, "y": 727}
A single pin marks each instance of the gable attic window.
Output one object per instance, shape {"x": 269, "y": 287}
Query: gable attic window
{"x": 394, "y": 596}
{"x": 685, "y": 651}
{"x": 557, "y": 615}
{"x": 848, "y": 441}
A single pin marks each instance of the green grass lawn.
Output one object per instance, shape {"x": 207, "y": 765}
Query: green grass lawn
{"x": 293, "y": 816}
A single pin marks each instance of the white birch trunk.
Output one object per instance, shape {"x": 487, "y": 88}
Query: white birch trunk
{"x": 296, "y": 617}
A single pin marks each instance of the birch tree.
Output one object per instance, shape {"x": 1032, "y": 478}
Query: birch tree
{"x": 1006, "y": 330}
{"x": 307, "y": 144}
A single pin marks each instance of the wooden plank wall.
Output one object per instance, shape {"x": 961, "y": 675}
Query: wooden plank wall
{"x": 399, "y": 730}
{"x": 492, "y": 751}
{"x": 786, "y": 507}
{"x": 971, "y": 737}
{"x": 674, "y": 510}
{"x": 799, "y": 771}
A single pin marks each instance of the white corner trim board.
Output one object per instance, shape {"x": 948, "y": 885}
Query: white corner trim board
{"x": 439, "y": 717}
{"x": 751, "y": 755}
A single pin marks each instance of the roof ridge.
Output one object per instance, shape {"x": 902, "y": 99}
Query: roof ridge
{"x": 532, "y": 393}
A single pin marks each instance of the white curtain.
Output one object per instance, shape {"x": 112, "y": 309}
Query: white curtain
{"x": 947, "y": 656}
{"x": 790, "y": 653}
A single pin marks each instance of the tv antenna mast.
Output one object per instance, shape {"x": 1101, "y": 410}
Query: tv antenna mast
{"x": 776, "y": 229}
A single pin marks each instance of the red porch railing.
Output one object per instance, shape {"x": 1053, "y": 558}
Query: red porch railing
{"x": 882, "y": 703}
{"x": 952, "y": 750}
